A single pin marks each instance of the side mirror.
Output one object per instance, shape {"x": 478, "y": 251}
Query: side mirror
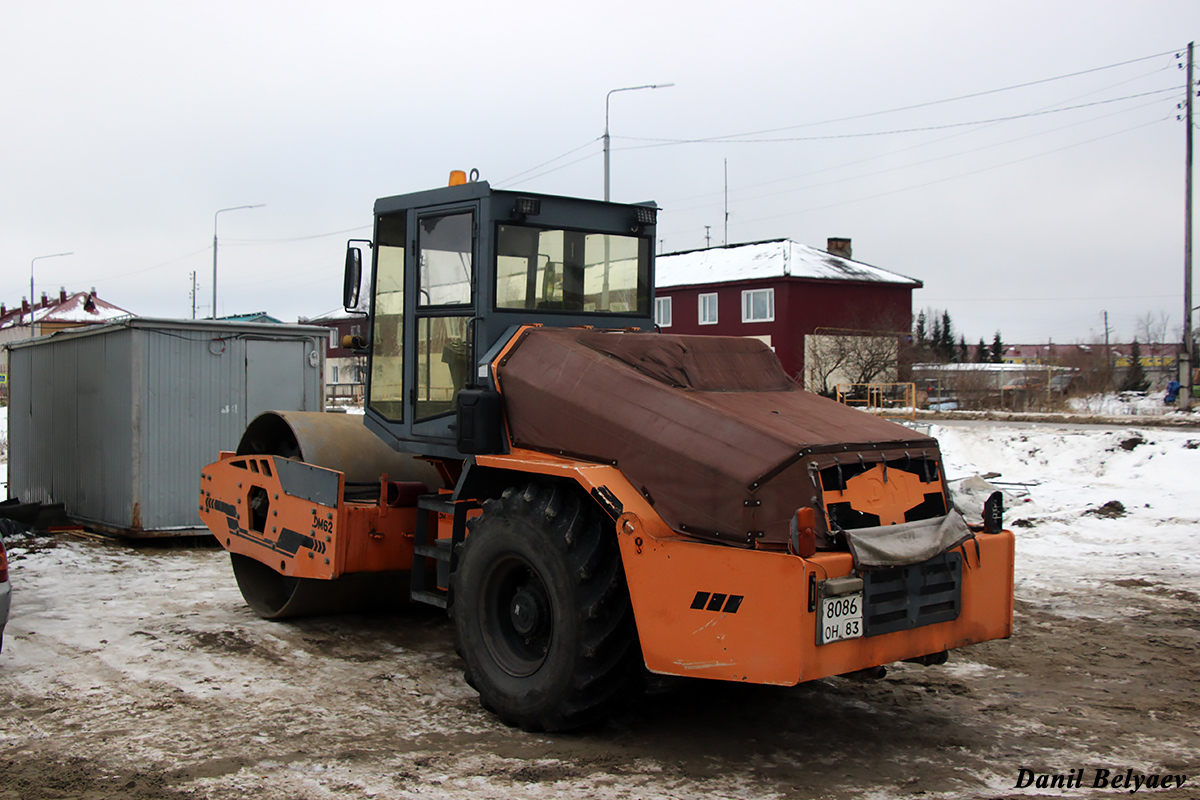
{"x": 353, "y": 278}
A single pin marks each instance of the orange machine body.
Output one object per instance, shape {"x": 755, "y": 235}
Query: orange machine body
{"x": 711, "y": 611}
{"x": 293, "y": 517}
{"x": 702, "y": 609}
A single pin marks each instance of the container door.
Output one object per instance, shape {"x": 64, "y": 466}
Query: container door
{"x": 275, "y": 376}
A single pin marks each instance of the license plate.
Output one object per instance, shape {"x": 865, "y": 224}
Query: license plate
{"x": 841, "y": 618}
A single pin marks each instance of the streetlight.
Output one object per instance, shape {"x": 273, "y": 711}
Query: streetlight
{"x": 233, "y": 208}
{"x": 606, "y": 137}
{"x": 37, "y": 258}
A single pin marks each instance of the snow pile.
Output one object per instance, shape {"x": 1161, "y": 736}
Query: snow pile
{"x": 1123, "y": 404}
{"x": 1089, "y": 506}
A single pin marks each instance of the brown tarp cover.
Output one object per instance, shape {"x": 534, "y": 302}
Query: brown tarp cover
{"x": 709, "y": 428}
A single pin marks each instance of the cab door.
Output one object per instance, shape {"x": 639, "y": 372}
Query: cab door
{"x": 443, "y": 301}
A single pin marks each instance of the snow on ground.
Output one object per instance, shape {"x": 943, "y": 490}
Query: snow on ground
{"x": 1057, "y": 483}
{"x": 1123, "y": 404}
{"x": 125, "y": 667}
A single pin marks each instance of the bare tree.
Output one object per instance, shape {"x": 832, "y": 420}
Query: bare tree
{"x": 824, "y": 357}
{"x": 862, "y": 354}
{"x": 870, "y": 357}
{"x": 1091, "y": 365}
{"x": 1152, "y": 328}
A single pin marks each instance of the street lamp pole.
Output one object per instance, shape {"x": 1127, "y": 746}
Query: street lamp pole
{"x": 604, "y": 288}
{"x": 232, "y": 208}
{"x": 38, "y": 258}
{"x": 606, "y": 137}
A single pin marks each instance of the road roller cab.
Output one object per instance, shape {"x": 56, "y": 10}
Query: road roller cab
{"x": 587, "y": 497}
{"x": 456, "y": 270}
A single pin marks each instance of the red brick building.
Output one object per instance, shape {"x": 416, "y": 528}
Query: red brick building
{"x": 781, "y": 292}
{"x": 345, "y": 372}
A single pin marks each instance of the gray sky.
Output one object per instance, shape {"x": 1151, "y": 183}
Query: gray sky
{"x": 128, "y": 124}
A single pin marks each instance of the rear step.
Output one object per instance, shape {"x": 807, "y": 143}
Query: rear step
{"x": 443, "y": 551}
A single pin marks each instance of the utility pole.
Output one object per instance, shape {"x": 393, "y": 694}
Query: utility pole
{"x": 707, "y": 237}
{"x": 1108, "y": 363}
{"x": 193, "y": 294}
{"x": 1188, "y": 354}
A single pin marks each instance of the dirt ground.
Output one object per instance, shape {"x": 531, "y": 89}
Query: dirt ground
{"x": 139, "y": 673}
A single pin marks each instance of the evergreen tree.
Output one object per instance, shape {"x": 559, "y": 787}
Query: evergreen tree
{"x": 1135, "y": 376}
{"x": 921, "y": 339}
{"x": 947, "y": 343}
{"x": 982, "y": 354}
{"x": 997, "y": 349}
{"x": 935, "y": 340}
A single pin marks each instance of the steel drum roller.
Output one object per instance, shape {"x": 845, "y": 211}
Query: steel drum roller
{"x": 333, "y": 441}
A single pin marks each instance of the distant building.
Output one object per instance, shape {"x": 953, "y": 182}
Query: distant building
{"x": 49, "y": 316}
{"x": 345, "y": 372}
{"x": 803, "y": 302}
{"x": 1158, "y": 360}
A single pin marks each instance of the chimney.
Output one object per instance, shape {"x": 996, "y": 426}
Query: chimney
{"x": 45, "y": 301}
{"x": 24, "y": 306}
{"x": 3, "y": 310}
{"x": 62, "y": 294}
{"x": 838, "y": 247}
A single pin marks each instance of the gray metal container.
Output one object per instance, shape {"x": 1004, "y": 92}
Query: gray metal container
{"x": 116, "y": 421}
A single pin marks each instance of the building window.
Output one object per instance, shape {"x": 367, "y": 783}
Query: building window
{"x": 758, "y": 305}
{"x": 708, "y": 309}
{"x": 333, "y": 339}
{"x": 335, "y": 375}
{"x": 662, "y": 312}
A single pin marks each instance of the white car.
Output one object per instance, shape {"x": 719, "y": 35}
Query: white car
{"x": 5, "y": 592}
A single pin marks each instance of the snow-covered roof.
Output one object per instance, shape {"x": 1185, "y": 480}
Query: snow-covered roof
{"x": 772, "y": 259}
{"x": 81, "y": 308}
{"x": 972, "y": 366}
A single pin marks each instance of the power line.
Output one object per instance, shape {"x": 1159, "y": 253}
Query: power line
{"x": 954, "y": 177}
{"x": 927, "y": 104}
{"x": 296, "y": 238}
{"x": 861, "y": 176}
{"x": 669, "y": 142}
{"x": 204, "y": 249}
{"x": 930, "y": 143}
{"x": 551, "y": 161}
{"x": 946, "y": 100}
{"x": 556, "y": 169}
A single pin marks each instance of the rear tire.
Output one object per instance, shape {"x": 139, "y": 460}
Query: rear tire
{"x": 541, "y": 611}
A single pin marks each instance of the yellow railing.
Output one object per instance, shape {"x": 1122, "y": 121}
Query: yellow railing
{"x": 886, "y": 399}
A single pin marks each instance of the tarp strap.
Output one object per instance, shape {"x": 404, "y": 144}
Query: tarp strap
{"x": 978, "y": 553}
